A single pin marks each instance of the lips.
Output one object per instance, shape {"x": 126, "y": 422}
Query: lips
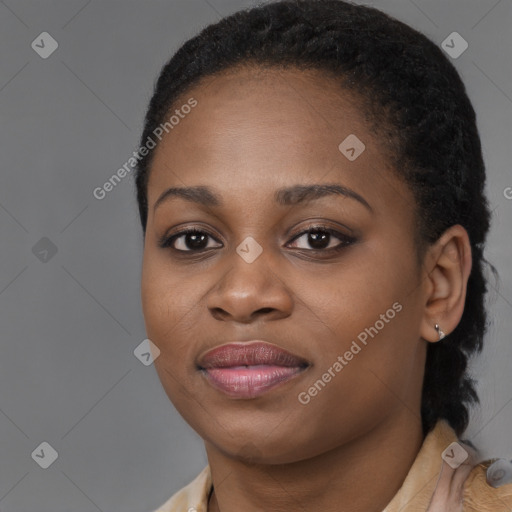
{"x": 249, "y": 369}
{"x": 245, "y": 353}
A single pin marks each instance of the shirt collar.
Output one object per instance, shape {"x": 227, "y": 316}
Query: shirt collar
{"x": 428, "y": 472}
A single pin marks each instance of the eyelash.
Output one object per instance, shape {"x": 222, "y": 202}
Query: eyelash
{"x": 167, "y": 242}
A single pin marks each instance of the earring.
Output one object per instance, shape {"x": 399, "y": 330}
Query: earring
{"x": 441, "y": 333}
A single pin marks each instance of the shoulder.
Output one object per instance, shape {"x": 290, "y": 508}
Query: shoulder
{"x": 479, "y": 495}
{"x": 191, "y": 498}
{"x": 465, "y": 482}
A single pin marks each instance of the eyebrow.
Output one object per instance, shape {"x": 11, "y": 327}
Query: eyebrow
{"x": 288, "y": 196}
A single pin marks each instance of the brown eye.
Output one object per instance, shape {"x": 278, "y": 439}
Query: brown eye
{"x": 320, "y": 238}
{"x": 188, "y": 240}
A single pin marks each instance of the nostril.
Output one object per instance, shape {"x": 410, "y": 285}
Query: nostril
{"x": 264, "y": 310}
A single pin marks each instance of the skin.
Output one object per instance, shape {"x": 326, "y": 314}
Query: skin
{"x": 252, "y": 133}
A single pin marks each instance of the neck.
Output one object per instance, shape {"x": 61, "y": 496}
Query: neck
{"x": 362, "y": 475}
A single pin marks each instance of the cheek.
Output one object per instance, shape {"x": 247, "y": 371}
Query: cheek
{"x": 166, "y": 306}
{"x": 172, "y": 303}
{"x": 351, "y": 296}
{"x": 160, "y": 309}
{"x": 166, "y": 298}
{"x": 373, "y": 302}
{"x": 155, "y": 298}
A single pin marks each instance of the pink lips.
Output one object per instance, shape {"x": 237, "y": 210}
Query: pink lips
{"x": 249, "y": 369}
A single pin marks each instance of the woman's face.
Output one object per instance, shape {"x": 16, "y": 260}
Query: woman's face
{"x": 348, "y": 305}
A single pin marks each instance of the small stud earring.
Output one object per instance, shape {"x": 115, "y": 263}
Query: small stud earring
{"x": 441, "y": 333}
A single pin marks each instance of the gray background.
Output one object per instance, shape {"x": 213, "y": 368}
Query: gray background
{"x": 69, "y": 325}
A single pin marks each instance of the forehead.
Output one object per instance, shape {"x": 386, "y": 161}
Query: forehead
{"x": 258, "y": 128}
{"x": 238, "y": 107}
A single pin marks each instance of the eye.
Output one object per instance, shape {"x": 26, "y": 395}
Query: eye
{"x": 320, "y": 237}
{"x": 195, "y": 240}
{"x": 188, "y": 240}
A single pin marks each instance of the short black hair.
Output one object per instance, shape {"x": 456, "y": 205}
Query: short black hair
{"x": 404, "y": 81}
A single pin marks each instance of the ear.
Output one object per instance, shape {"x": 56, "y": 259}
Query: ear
{"x": 448, "y": 266}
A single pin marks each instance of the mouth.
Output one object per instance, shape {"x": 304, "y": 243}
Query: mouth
{"x": 249, "y": 369}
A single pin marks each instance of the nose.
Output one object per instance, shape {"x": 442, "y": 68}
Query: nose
{"x": 247, "y": 292}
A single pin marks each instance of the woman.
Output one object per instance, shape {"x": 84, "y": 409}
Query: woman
{"x": 314, "y": 221}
